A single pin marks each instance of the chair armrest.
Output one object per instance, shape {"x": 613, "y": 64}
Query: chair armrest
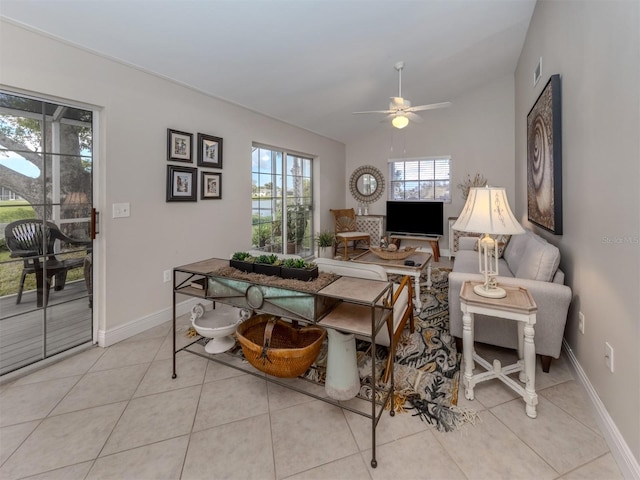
{"x": 73, "y": 241}
{"x": 13, "y": 253}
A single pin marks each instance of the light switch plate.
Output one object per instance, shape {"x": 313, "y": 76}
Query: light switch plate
{"x": 121, "y": 210}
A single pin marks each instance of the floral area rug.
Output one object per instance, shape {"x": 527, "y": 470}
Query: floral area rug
{"x": 427, "y": 364}
{"x": 426, "y": 367}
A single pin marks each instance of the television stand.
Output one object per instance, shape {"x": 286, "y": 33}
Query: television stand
{"x": 433, "y": 241}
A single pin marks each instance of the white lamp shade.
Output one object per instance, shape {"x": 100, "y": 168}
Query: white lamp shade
{"x": 487, "y": 211}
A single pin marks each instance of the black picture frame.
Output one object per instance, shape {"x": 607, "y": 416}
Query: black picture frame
{"x": 179, "y": 146}
{"x": 182, "y": 183}
{"x": 210, "y": 185}
{"x": 209, "y": 151}
{"x": 544, "y": 159}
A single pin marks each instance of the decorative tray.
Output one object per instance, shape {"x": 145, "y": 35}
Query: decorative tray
{"x": 393, "y": 254}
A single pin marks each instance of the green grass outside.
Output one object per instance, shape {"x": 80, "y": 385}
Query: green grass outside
{"x": 12, "y": 210}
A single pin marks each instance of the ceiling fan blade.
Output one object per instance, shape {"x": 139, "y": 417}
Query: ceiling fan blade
{"x": 413, "y": 117}
{"x": 431, "y": 106}
{"x": 374, "y": 111}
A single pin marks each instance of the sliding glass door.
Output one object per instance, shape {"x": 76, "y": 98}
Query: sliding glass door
{"x": 45, "y": 229}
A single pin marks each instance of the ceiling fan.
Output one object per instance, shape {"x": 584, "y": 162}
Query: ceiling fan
{"x": 400, "y": 110}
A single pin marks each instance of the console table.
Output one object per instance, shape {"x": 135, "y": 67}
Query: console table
{"x": 296, "y": 304}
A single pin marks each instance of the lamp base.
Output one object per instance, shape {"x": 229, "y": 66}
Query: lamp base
{"x": 490, "y": 292}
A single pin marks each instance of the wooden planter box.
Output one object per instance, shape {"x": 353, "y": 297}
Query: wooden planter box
{"x": 242, "y": 265}
{"x": 304, "y": 274}
{"x": 266, "y": 269}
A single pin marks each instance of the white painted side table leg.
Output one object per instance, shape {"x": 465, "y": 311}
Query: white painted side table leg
{"x": 522, "y": 376}
{"x": 417, "y": 302}
{"x": 429, "y": 282}
{"x": 531, "y": 398}
{"x": 467, "y": 351}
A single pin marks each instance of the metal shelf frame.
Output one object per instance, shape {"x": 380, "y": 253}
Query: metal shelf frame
{"x": 377, "y": 299}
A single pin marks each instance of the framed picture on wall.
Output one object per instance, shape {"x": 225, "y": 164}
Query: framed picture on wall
{"x": 544, "y": 159}
{"x": 210, "y": 186}
{"x": 181, "y": 184}
{"x": 209, "y": 151}
{"x": 179, "y": 146}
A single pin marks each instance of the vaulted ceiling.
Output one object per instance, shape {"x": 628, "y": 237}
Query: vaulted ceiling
{"x": 310, "y": 63}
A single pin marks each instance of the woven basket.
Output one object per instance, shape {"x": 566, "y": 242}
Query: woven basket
{"x": 275, "y": 347}
{"x": 393, "y": 255}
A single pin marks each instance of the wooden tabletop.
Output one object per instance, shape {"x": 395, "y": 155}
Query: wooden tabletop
{"x": 419, "y": 258}
{"x": 518, "y": 299}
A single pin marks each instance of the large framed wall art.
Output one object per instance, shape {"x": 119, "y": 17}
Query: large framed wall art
{"x": 544, "y": 159}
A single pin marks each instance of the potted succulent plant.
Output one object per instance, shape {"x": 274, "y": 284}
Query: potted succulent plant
{"x": 242, "y": 261}
{"x": 325, "y": 241}
{"x": 267, "y": 265}
{"x": 298, "y": 269}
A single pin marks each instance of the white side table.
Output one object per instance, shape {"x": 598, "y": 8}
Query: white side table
{"x": 519, "y": 306}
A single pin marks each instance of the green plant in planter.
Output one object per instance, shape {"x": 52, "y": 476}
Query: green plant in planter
{"x": 325, "y": 238}
{"x": 299, "y": 269}
{"x": 268, "y": 259}
{"x": 297, "y": 263}
{"x": 242, "y": 257}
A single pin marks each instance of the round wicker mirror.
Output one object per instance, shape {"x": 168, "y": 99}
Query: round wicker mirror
{"x": 366, "y": 184}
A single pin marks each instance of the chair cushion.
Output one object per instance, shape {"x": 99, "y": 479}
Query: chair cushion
{"x": 352, "y": 235}
{"x": 515, "y": 250}
{"x": 351, "y": 269}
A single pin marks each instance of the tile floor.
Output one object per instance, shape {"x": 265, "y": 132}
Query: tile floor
{"x": 116, "y": 413}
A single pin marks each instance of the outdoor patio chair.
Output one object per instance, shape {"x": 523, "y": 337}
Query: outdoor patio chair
{"x": 33, "y": 240}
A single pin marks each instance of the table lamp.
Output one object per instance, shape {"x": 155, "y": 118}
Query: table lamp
{"x": 487, "y": 212}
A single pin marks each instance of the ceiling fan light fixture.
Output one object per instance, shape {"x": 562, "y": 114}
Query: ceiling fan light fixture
{"x": 400, "y": 121}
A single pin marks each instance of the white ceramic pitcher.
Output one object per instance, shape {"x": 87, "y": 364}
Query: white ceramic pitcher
{"x": 343, "y": 379}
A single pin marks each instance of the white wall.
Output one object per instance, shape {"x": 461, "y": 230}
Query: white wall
{"x": 136, "y": 110}
{"x": 477, "y": 131}
{"x": 594, "y": 46}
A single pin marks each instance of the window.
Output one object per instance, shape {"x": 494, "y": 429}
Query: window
{"x": 425, "y": 179}
{"x": 281, "y": 201}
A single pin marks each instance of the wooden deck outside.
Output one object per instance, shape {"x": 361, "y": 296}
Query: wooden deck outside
{"x": 64, "y": 324}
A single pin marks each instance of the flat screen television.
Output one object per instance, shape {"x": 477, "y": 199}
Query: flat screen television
{"x": 415, "y": 218}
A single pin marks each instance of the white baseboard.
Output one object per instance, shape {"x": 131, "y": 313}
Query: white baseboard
{"x": 623, "y": 455}
{"x": 109, "y": 337}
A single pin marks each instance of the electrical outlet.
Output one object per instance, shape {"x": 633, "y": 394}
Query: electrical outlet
{"x": 608, "y": 356}
{"x": 581, "y": 322}
{"x": 167, "y": 276}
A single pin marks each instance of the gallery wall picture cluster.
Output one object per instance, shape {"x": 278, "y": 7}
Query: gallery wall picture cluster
{"x": 182, "y": 181}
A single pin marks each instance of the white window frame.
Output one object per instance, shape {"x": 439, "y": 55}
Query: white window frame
{"x": 281, "y": 224}
{"x": 433, "y": 178}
